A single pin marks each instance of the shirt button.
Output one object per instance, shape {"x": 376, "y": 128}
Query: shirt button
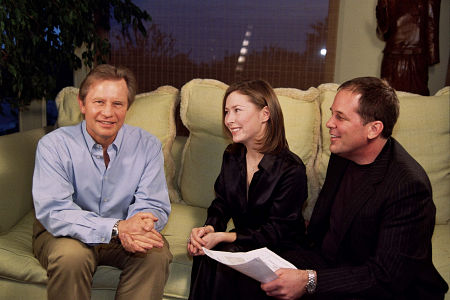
{"x": 106, "y": 199}
{"x": 98, "y": 156}
{"x": 103, "y": 239}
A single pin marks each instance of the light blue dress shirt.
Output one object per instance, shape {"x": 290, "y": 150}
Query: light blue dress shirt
{"x": 74, "y": 193}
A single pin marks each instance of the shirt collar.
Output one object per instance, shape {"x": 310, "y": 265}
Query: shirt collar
{"x": 91, "y": 143}
{"x": 266, "y": 162}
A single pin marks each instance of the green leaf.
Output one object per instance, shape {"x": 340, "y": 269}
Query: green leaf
{"x": 32, "y": 52}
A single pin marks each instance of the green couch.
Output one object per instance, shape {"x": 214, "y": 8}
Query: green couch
{"x": 192, "y": 164}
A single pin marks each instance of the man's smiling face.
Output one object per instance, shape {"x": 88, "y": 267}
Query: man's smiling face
{"x": 349, "y": 134}
{"x": 104, "y": 109}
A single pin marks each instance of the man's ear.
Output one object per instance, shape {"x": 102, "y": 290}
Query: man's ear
{"x": 375, "y": 129}
{"x": 265, "y": 114}
{"x": 81, "y": 104}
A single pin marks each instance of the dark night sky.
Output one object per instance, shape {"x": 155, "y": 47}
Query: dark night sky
{"x": 211, "y": 29}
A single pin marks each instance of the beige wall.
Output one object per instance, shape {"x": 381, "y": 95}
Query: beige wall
{"x": 438, "y": 72}
{"x": 359, "y": 51}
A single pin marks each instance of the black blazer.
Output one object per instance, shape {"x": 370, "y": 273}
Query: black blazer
{"x": 271, "y": 215}
{"x": 384, "y": 249}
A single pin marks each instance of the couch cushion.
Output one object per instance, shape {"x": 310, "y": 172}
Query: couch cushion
{"x": 154, "y": 112}
{"x": 201, "y": 113}
{"x": 17, "y": 261}
{"x": 68, "y": 108}
{"x": 181, "y": 220}
{"x": 177, "y": 151}
{"x": 441, "y": 250}
{"x": 327, "y": 93}
{"x": 302, "y": 122}
{"x": 423, "y": 128}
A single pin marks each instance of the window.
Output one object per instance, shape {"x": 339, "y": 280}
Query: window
{"x": 289, "y": 43}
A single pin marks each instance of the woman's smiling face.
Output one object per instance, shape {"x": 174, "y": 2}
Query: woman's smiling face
{"x": 246, "y": 122}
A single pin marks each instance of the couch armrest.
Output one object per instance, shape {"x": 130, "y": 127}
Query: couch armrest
{"x": 17, "y": 152}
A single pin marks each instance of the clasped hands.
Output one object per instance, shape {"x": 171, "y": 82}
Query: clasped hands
{"x": 138, "y": 233}
{"x": 208, "y": 238}
{"x": 201, "y": 237}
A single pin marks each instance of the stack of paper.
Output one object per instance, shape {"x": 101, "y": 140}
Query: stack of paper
{"x": 259, "y": 264}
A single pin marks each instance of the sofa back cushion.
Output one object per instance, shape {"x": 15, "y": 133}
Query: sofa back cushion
{"x": 201, "y": 113}
{"x": 302, "y": 122}
{"x": 423, "y": 129}
{"x": 153, "y": 112}
{"x": 327, "y": 93}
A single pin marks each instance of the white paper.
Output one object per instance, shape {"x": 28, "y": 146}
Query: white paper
{"x": 259, "y": 264}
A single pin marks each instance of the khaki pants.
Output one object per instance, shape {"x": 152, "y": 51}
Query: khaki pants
{"x": 70, "y": 266}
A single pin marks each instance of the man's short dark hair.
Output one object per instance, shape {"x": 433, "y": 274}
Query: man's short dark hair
{"x": 378, "y": 101}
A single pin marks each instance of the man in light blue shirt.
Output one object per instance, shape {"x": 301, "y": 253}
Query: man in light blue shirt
{"x": 100, "y": 196}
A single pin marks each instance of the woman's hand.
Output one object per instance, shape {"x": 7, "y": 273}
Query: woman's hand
{"x": 212, "y": 239}
{"x": 196, "y": 241}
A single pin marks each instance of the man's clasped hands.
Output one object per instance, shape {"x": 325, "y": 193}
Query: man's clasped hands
{"x": 138, "y": 233}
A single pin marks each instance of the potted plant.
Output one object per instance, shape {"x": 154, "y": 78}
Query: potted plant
{"x": 38, "y": 40}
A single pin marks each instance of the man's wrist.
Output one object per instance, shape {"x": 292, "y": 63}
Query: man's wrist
{"x": 311, "y": 285}
{"x": 115, "y": 230}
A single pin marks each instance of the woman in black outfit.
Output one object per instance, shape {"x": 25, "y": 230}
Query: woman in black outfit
{"x": 261, "y": 186}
